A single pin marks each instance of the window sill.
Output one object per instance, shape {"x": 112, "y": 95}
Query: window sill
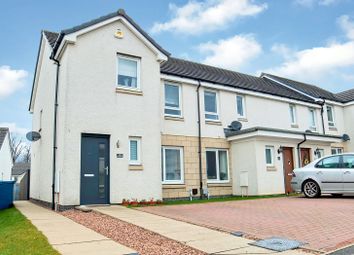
{"x": 129, "y": 91}
{"x": 242, "y": 119}
{"x": 175, "y": 118}
{"x": 173, "y": 186}
{"x": 219, "y": 184}
{"x": 271, "y": 168}
{"x": 136, "y": 168}
{"x": 294, "y": 125}
{"x": 213, "y": 122}
{"x": 333, "y": 129}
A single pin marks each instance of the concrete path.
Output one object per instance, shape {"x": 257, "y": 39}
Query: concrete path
{"x": 67, "y": 236}
{"x": 201, "y": 238}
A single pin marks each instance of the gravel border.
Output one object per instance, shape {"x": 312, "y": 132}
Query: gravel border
{"x": 137, "y": 238}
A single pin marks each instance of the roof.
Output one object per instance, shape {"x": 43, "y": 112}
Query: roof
{"x": 51, "y": 37}
{"x": 346, "y": 96}
{"x": 121, "y": 13}
{"x": 20, "y": 168}
{"x": 197, "y": 71}
{"x": 3, "y": 132}
{"x": 309, "y": 89}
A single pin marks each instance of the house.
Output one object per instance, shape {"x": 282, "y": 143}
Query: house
{"x": 21, "y": 176}
{"x": 120, "y": 118}
{"x": 6, "y": 161}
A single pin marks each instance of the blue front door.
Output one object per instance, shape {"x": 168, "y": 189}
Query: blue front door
{"x": 94, "y": 169}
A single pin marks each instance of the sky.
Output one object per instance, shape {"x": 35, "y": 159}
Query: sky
{"x": 307, "y": 40}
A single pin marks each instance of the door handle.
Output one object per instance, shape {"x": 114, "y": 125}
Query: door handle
{"x": 347, "y": 172}
{"x": 319, "y": 172}
{"x": 106, "y": 168}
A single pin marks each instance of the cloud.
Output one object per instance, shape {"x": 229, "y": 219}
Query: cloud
{"x": 198, "y": 17}
{"x": 11, "y": 80}
{"x": 14, "y": 128}
{"x": 316, "y": 62}
{"x": 231, "y": 53}
{"x": 311, "y": 3}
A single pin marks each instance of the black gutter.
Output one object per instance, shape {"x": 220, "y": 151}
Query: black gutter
{"x": 298, "y": 150}
{"x": 55, "y": 129}
{"x": 322, "y": 118}
{"x": 200, "y": 144}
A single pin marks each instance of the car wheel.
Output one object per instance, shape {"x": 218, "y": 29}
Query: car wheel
{"x": 311, "y": 189}
{"x": 337, "y": 195}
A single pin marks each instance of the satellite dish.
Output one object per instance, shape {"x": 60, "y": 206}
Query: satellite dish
{"x": 345, "y": 137}
{"x": 33, "y": 136}
{"x": 236, "y": 125}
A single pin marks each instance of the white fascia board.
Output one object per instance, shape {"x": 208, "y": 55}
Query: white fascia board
{"x": 177, "y": 79}
{"x": 71, "y": 38}
{"x": 349, "y": 103}
{"x": 334, "y": 103}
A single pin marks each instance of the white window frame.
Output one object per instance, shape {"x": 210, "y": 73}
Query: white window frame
{"x": 322, "y": 152}
{"x": 271, "y": 148}
{"x": 218, "y": 167}
{"x": 179, "y": 98}
{"x": 138, "y": 141}
{"x": 164, "y": 181}
{"x": 293, "y": 114}
{"x": 332, "y": 123}
{"x": 313, "y": 111}
{"x": 138, "y": 64}
{"x": 217, "y": 106}
{"x": 339, "y": 150}
{"x": 243, "y": 106}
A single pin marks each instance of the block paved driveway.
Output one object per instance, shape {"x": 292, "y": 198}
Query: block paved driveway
{"x": 325, "y": 223}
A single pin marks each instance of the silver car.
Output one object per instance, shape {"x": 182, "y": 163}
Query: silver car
{"x": 328, "y": 175}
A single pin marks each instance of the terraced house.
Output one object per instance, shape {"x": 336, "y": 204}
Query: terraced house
{"x": 120, "y": 118}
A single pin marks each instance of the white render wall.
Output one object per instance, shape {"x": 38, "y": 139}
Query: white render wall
{"x": 92, "y": 105}
{"x": 5, "y": 160}
{"x": 42, "y": 150}
{"x": 349, "y": 126}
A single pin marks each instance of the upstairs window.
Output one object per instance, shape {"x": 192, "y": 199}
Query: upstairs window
{"x": 330, "y": 116}
{"x": 211, "y": 105}
{"x": 173, "y": 100}
{"x": 128, "y": 72}
{"x": 292, "y": 111}
{"x": 240, "y": 106}
{"x": 313, "y": 125}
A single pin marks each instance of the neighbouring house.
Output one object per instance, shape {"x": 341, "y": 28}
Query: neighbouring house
{"x": 6, "y": 161}
{"x": 21, "y": 176}
{"x": 120, "y": 118}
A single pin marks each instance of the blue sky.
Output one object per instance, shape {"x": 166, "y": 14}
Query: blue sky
{"x": 307, "y": 40}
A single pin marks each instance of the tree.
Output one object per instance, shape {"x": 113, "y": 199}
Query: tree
{"x": 17, "y": 147}
{"x": 26, "y": 153}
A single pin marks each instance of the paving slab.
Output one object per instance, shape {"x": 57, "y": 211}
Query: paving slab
{"x": 67, "y": 236}
{"x": 202, "y": 238}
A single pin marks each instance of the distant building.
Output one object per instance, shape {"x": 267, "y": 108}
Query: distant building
{"x": 6, "y": 162}
{"x": 21, "y": 174}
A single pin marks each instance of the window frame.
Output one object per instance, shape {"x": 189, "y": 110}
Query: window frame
{"x": 216, "y": 104}
{"x": 181, "y": 151}
{"x": 243, "y": 107}
{"x": 339, "y": 150}
{"x": 217, "y": 180}
{"x": 313, "y": 111}
{"x": 343, "y": 164}
{"x": 332, "y": 123}
{"x": 179, "y": 100}
{"x": 271, "y": 148}
{"x": 138, "y": 66}
{"x": 138, "y": 153}
{"x": 293, "y": 114}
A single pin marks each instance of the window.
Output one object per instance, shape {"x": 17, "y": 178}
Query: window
{"x": 292, "y": 110}
{"x": 319, "y": 153}
{"x": 269, "y": 155}
{"x": 217, "y": 165}
{"x": 348, "y": 161}
{"x": 331, "y": 162}
{"x": 330, "y": 116}
{"x": 134, "y": 151}
{"x": 313, "y": 125}
{"x": 240, "y": 106}
{"x": 172, "y": 165}
{"x": 210, "y": 105}
{"x": 335, "y": 151}
{"x": 173, "y": 100}
{"x": 128, "y": 72}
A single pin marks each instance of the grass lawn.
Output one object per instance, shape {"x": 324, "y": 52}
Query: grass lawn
{"x": 18, "y": 236}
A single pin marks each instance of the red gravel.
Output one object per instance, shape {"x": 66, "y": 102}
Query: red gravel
{"x": 137, "y": 238}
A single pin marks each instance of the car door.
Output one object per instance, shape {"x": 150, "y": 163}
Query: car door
{"x": 330, "y": 174}
{"x": 348, "y": 173}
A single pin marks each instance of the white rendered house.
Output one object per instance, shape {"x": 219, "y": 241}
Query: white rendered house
{"x": 120, "y": 118}
{"x": 6, "y": 162}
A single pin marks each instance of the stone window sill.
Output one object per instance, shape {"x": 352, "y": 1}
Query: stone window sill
{"x": 220, "y": 184}
{"x": 242, "y": 119}
{"x": 215, "y": 123}
{"x": 271, "y": 168}
{"x": 173, "y": 186}
{"x": 294, "y": 125}
{"x": 333, "y": 129}
{"x": 136, "y": 167}
{"x": 174, "y": 118}
{"x": 129, "y": 91}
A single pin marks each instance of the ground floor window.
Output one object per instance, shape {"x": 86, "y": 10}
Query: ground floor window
{"x": 217, "y": 165}
{"x": 335, "y": 151}
{"x": 269, "y": 155}
{"x": 319, "y": 153}
{"x": 172, "y": 165}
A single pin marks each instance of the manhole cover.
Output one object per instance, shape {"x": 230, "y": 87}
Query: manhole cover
{"x": 278, "y": 244}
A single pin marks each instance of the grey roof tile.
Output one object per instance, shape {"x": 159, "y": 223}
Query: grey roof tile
{"x": 346, "y": 96}
{"x": 20, "y": 168}
{"x": 197, "y": 71}
{"x": 51, "y": 37}
{"x": 3, "y": 132}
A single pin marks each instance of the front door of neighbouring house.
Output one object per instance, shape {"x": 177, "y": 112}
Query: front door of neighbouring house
{"x": 288, "y": 164}
{"x": 305, "y": 156}
{"x": 94, "y": 169}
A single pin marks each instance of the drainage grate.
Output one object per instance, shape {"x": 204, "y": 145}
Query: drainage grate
{"x": 278, "y": 244}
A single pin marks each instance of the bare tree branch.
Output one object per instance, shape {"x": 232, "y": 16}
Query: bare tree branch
{"x": 16, "y": 147}
{"x": 26, "y": 153}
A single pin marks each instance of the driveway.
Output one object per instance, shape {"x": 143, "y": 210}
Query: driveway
{"x": 324, "y": 224}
